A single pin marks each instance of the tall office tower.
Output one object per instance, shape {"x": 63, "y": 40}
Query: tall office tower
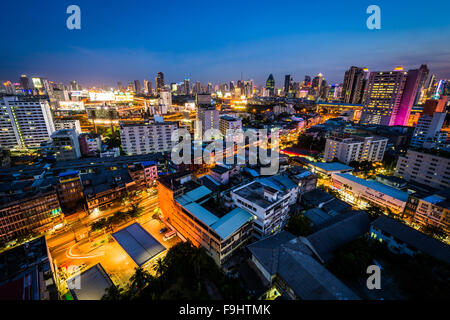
{"x": 197, "y": 88}
{"x": 25, "y": 82}
{"x": 147, "y": 137}
{"x": 209, "y": 88}
{"x": 427, "y": 133}
{"x": 207, "y": 118}
{"x": 120, "y": 86}
{"x": 187, "y": 89}
{"x": 159, "y": 81}
{"x": 353, "y": 88}
{"x": 384, "y": 93}
{"x": 74, "y": 86}
{"x": 423, "y": 78}
{"x": 231, "y": 86}
{"x": 409, "y": 93}
{"x": 149, "y": 87}
{"x": 137, "y": 86}
{"x": 270, "y": 85}
{"x": 24, "y": 124}
{"x": 307, "y": 81}
{"x": 287, "y": 84}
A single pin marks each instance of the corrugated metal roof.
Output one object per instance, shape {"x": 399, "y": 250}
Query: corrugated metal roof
{"x": 231, "y": 222}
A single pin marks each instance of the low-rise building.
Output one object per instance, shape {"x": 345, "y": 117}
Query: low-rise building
{"x": 364, "y": 192}
{"x": 190, "y": 209}
{"x": 27, "y": 272}
{"x": 65, "y": 145}
{"x": 268, "y": 204}
{"x": 90, "y": 144}
{"x": 29, "y": 212}
{"x": 327, "y": 168}
{"x": 405, "y": 240}
{"x": 429, "y": 209}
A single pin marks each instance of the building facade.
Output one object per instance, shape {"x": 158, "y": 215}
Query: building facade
{"x": 147, "y": 137}
{"x": 425, "y": 168}
{"x": 348, "y": 148}
{"x": 24, "y": 123}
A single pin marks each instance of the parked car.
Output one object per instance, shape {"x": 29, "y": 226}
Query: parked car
{"x": 163, "y": 230}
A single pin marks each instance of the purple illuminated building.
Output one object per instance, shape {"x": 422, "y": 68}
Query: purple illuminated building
{"x": 408, "y": 96}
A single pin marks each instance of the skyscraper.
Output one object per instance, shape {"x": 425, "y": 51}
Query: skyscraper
{"x": 353, "y": 88}
{"x": 159, "y": 81}
{"x": 270, "y": 85}
{"x": 423, "y": 78}
{"x": 409, "y": 94}
{"x": 287, "y": 84}
{"x": 187, "y": 89}
{"x": 390, "y": 96}
{"x": 137, "y": 86}
{"x": 24, "y": 82}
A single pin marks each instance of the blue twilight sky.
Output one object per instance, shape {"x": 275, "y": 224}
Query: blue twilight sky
{"x": 218, "y": 40}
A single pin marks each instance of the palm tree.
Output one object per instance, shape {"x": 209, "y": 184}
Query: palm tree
{"x": 113, "y": 293}
{"x": 139, "y": 280}
{"x": 160, "y": 267}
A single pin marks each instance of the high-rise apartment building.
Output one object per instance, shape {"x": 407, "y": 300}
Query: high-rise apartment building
{"x": 24, "y": 123}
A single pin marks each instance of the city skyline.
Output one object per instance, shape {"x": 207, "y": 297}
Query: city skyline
{"x": 297, "y": 39}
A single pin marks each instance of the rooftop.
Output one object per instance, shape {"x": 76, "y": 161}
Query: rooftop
{"x": 331, "y": 166}
{"x": 414, "y": 238}
{"x": 377, "y": 186}
{"x": 90, "y": 284}
{"x": 138, "y": 243}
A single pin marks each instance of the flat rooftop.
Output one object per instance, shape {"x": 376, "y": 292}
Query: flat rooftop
{"x": 330, "y": 166}
{"x": 377, "y": 186}
{"x": 138, "y": 243}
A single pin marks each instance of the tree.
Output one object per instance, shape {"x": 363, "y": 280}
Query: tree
{"x": 160, "y": 266}
{"x": 139, "y": 280}
{"x": 134, "y": 211}
{"x": 373, "y": 211}
{"x": 113, "y": 293}
{"x": 99, "y": 225}
{"x": 434, "y": 231}
{"x": 299, "y": 225}
{"x": 112, "y": 138}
